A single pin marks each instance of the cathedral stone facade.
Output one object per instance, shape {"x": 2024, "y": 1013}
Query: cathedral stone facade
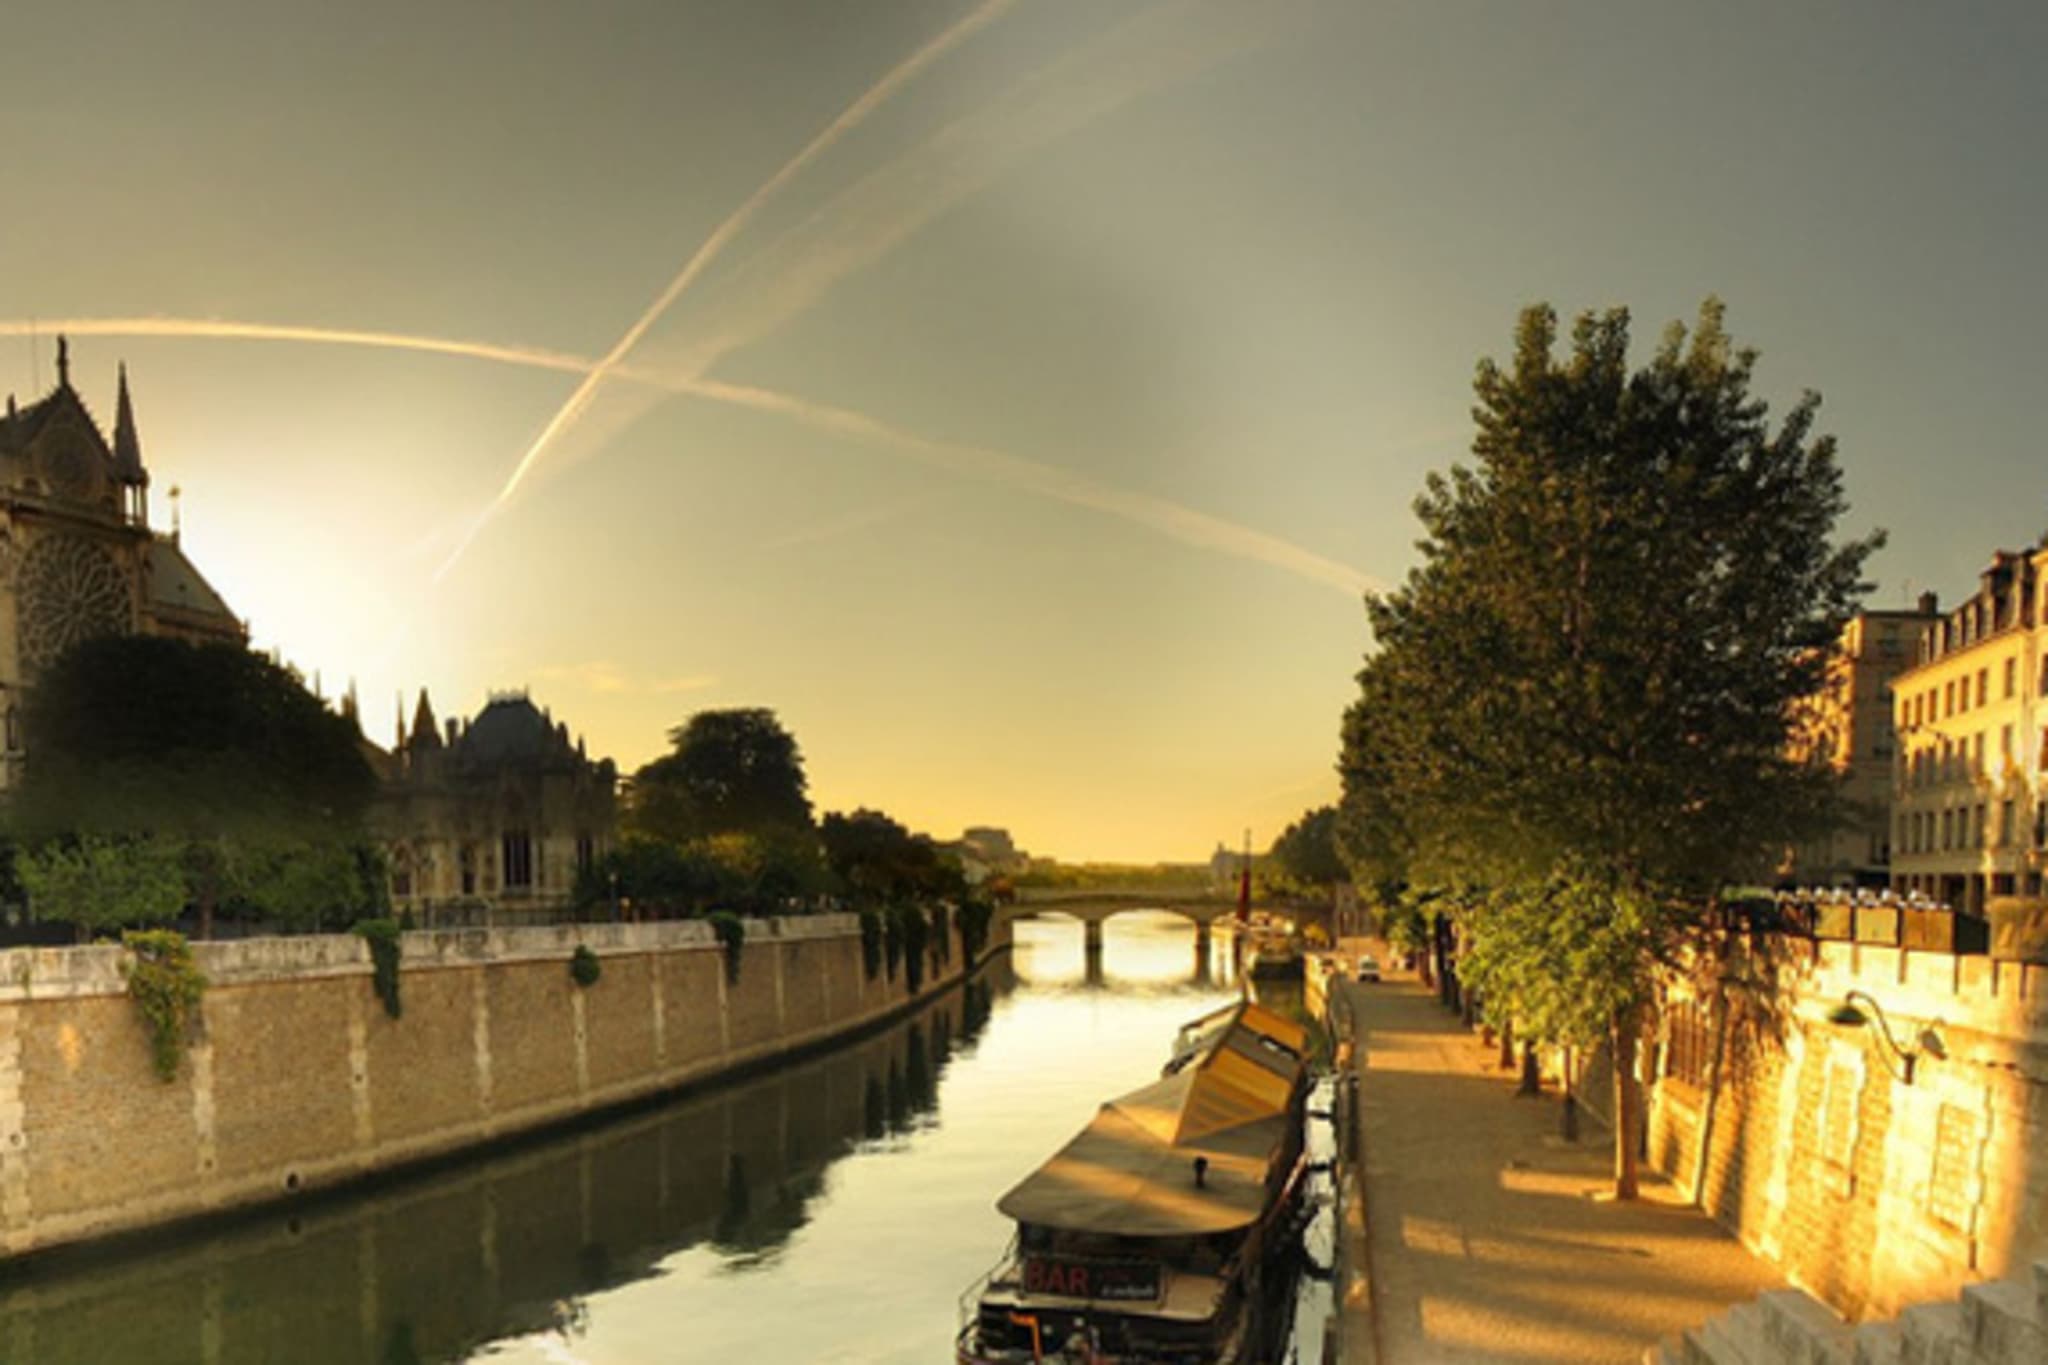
{"x": 77, "y": 556}
{"x": 493, "y": 818}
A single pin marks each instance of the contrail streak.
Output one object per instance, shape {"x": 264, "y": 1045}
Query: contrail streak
{"x": 994, "y": 466}
{"x": 1156, "y": 47}
{"x": 1169, "y": 518}
{"x": 222, "y": 329}
{"x": 849, "y": 119}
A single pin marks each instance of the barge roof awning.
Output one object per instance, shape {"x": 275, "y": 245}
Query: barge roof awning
{"x": 1130, "y": 1172}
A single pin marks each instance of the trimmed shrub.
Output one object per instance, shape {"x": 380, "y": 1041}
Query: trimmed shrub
{"x": 584, "y": 968}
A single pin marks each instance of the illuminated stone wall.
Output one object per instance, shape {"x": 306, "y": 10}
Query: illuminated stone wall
{"x": 1803, "y": 1136}
{"x": 299, "y": 1078}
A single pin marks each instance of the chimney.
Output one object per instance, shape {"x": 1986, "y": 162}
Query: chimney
{"x": 1930, "y": 603}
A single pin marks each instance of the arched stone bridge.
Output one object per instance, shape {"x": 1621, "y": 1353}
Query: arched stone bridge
{"x": 1094, "y": 905}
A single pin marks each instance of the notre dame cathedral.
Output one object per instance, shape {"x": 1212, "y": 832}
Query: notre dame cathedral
{"x": 77, "y": 555}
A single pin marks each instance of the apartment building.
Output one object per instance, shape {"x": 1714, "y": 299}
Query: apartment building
{"x": 1968, "y": 817}
{"x": 1849, "y": 726}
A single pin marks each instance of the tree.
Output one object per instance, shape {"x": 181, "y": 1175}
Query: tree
{"x": 1581, "y": 699}
{"x": 101, "y": 884}
{"x": 876, "y": 861}
{"x": 735, "y": 771}
{"x": 210, "y": 747}
{"x": 768, "y": 872}
{"x": 1303, "y": 859}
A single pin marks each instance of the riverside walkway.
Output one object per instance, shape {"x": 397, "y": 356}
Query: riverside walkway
{"x": 1482, "y": 1235}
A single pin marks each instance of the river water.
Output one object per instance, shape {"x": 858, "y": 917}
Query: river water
{"x": 832, "y": 1210}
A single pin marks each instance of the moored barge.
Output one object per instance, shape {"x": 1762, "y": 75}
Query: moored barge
{"x": 1156, "y": 1235}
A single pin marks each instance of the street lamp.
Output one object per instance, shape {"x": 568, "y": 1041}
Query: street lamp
{"x": 1848, "y": 1015}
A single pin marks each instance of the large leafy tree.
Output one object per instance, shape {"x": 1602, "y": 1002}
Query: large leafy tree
{"x": 137, "y": 741}
{"x": 1580, "y": 700}
{"x": 729, "y": 772}
{"x": 1304, "y": 858}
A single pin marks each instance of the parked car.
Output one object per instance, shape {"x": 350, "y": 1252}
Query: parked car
{"x": 1368, "y": 968}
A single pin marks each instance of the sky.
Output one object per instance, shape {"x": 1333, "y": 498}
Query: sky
{"x": 1016, "y": 396}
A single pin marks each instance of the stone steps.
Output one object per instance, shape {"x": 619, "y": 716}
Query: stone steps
{"x": 1996, "y": 1322}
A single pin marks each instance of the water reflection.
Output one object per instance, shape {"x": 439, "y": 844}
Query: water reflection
{"x": 510, "y": 1245}
{"x": 832, "y": 1210}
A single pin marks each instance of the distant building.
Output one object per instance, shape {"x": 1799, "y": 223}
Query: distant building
{"x": 495, "y": 817}
{"x": 1849, "y": 725}
{"x": 1226, "y": 869}
{"x": 1969, "y": 818}
{"x": 985, "y": 851}
{"x": 77, "y": 556}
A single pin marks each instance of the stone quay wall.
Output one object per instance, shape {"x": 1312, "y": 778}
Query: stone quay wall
{"x": 298, "y": 1078}
{"x": 1803, "y": 1136}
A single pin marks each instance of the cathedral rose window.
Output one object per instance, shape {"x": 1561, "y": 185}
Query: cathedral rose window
{"x": 69, "y": 589}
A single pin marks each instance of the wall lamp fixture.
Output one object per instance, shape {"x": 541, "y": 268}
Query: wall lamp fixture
{"x": 1849, "y": 1015}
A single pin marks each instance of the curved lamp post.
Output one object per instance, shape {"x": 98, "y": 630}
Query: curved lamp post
{"x": 1848, "y": 1015}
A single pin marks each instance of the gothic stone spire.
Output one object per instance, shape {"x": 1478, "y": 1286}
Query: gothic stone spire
{"x": 127, "y": 445}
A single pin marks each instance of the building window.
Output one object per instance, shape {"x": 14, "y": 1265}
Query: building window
{"x": 1685, "y": 1056}
{"x": 1946, "y": 822}
{"x": 586, "y": 853}
{"x": 1948, "y": 697}
{"x": 1838, "y": 1116}
{"x": 518, "y": 852}
{"x": 2005, "y": 824}
{"x": 1983, "y": 685}
{"x": 401, "y": 874}
{"x": 1978, "y": 826}
{"x": 2012, "y": 676}
{"x": 1977, "y": 754}
{"x": 469, "y": 869}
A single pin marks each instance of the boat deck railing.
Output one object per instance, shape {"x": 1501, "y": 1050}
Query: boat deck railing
{"x": 970, "y": 1302}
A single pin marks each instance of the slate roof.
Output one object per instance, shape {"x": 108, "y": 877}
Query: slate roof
{"x": 173, "y": 581}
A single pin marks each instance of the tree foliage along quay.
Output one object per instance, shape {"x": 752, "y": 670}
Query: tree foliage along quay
{"x": 1574, "y": 723}
{"x": 147, "y": 748}
{"x": 1304, "y": 860}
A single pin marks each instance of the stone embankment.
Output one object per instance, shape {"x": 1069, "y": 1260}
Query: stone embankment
{"x": 1996, "y": 1322}
{"x": 297, "y": 1077}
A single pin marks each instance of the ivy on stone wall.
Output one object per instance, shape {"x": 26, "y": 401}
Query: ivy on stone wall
{"x": 892, "y": 940}
{"x": 732, "y": 932}
{"x": 914, "y": 934}
{"x": 584, "y": 968}
{"x": 973, "y": 918}
{"x": 871, "y": 943}
{"x": 382, "y": 936}
{"x": 166, "y": 985}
